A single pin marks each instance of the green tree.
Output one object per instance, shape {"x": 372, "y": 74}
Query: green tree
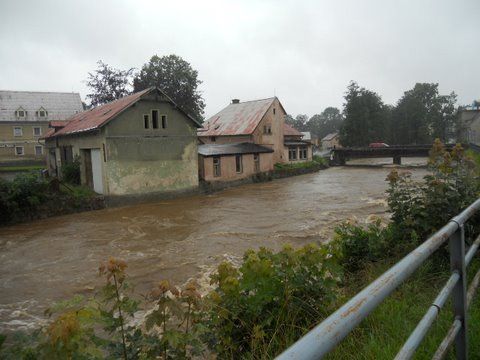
{"x": 329, "y": 121}
{"x": 176, "y": 78}
{"x": 365, "y": 117}
{"x": 108, "y": 84}
{"x": 422, "y": 115}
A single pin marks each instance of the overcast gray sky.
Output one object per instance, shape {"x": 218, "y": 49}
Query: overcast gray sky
{"x": 305, "y": 52}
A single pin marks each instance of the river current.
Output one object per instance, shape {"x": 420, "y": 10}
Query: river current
{"x": 53, "y": 259}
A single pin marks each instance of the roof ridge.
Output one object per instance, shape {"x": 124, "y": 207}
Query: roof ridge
{"x": 243, "y": 102}
{"x": 43, "y": 92}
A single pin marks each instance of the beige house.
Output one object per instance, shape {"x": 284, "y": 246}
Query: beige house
{"x": 24, "y": 118}
{"x": 331, "y": 141}
{"x": 140, "y": 144}
{"x": 255, "y": 131}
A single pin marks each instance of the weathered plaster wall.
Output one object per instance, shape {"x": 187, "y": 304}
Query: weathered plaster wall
{"x": 274, "y": 140}
{"x": 143, "y": 160}
{"x": 309, "y": 154}
{"x": 228, "y": 167}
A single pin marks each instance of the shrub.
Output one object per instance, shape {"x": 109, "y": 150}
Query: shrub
{"x": 71, "y": 171}
{"x": 272, "y": 298}
{"x": 360, "y": 244}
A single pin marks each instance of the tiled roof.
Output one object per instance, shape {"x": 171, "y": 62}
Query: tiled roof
{"x": 97, "y": 117}
{"x": 59, "y": 105}
{"x": 237, "y": 118}
{"x": 232, "y": 149}
{"x": 290, "y": 130}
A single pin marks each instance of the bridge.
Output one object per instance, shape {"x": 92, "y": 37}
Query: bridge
{"x": 341, "y": 155}
{"x": 324, "y": 337}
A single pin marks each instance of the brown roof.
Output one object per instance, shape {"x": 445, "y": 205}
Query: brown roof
{"x": 237, "y": 118}
{"x": 290, "y": 130}
{"x": 97, "y": 117}
{"x": 57, "y": 123}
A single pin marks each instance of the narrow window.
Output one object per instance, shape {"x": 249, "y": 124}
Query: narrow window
{"x": 21, "y": 113}
{"x": 292, "y": 153}
{"x": 38, "y": 150}
{"x": 238, "y": 164}
{"x": 146, "y": 121}
{"x": 256, "y": 162}
{"x": 17, "y": 131}
{"x": 164, "y": 121}
{"x": 155, "y": 119}
{"x": 37, "y": 131}
{"x": 216, "y": 166}
{"x": 213, "y": 138}
{"x": 273, "y": 111}
{"x": 19, "y": 150}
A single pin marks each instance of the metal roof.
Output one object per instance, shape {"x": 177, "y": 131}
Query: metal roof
{"x": 330, "y": 136}
{"x": 97, "y": 117}
{"x": 237, "y": 118}
{"x": 59, "y": 105}
{"x": 289, "y": 130}
{"x": 306, "y": 135}
{"x": 232, "y": 149}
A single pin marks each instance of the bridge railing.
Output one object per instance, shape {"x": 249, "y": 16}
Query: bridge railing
{"x": 325, "y": 336}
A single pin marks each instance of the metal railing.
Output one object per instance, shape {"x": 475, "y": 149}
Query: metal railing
{"x": 325, "y": 336}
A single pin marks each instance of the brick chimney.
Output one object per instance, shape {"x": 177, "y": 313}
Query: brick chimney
{"x": 235, "y": 101}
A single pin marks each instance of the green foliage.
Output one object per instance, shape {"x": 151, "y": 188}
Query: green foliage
{"x": 360, "y": 245}
{"x": 71, "y": 171}
{"x": 108, "y": 84}
{"x": 316, "y": 161}
{"x": 271, "y": 295}
{"x": 365, "y": 117}
{"x": 422, "y": 114}
{"x": 329, "y": 121}
{"x": 176, "y": 78}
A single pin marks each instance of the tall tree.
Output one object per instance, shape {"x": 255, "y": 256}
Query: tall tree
{"x": 108, "y": 84}
{"x": 176, "y": 78}
{"x": 422, "y": 115}
{"x": 365, "y": 117}
{"x": 329, "y": 121}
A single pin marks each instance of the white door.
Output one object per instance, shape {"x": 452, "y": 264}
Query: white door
{"x": 97, "y": 171}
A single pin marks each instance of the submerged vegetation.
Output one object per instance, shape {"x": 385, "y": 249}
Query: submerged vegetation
{"x": 259, "y": 308}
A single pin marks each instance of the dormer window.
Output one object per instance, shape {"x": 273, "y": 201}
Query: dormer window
{"x": 42, "y": 113}
{"x": 20, "y": 113}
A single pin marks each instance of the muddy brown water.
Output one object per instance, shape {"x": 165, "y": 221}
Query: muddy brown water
{"x": 53, "y": 259}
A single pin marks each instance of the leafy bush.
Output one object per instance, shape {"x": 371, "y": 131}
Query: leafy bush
{"x": 271, "y": 299}
{"x": 361, "y": 244}
{"x": 71, "y": 171}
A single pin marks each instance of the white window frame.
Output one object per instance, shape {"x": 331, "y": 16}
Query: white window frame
{"x": 15, "y": 132}
{"x": 256, "y": 162}
{"x": 41, "y": 150}
{"x": 40, "y": 131}
{"x": 292, "y": 151}
{"x": 20, "y": 147}
{"x": 45, "y": 114}
{"x": 17, "y": 113}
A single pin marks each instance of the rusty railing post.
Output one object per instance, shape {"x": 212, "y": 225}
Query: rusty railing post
{"x": 459, "y": 294}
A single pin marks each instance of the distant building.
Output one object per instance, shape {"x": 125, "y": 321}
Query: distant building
{"x": 140, "y": 144}
{"x": 24, "y": 118}
{"x": 296, "y": 148}
{"x": 470, "y": 125}
{"x": 331, "y": 141}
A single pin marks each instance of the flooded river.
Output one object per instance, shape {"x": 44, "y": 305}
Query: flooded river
{"x": 53, "y": 259}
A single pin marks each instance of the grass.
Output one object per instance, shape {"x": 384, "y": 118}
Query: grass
{"x": 21, "y": 168}
{"x": 382, "y": 334}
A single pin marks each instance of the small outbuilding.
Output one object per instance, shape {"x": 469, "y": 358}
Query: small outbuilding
{"x": 140, "y": 144}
